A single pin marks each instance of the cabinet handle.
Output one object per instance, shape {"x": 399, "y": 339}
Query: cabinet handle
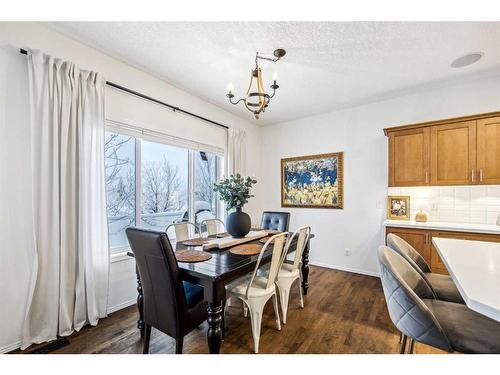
{"x": 472, "y": 175}
{"x": 481, "y": 175}
{"x": 426, "y": 177}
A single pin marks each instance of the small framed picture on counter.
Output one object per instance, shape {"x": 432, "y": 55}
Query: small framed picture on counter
{"x": 398, "y": 207}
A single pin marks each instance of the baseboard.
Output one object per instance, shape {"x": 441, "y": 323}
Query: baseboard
{"x": 11, "y": 347}
{"x": 122, "y": 305}
{"x": 343, "y": 268}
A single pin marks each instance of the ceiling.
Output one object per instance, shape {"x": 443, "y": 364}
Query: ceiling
{"x": 328, "y": 65}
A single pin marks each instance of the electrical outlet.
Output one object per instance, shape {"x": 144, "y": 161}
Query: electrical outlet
{"x": 379, "y": 205}
{"x": 347, "y": 252}
{"x": 434, "y": 207}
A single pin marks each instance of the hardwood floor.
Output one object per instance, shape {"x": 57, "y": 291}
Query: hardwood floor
{"x": 344, "y": 313}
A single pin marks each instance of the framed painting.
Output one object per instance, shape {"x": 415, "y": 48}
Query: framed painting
{"x": 314, "y": 181}
{"x": 398, "y": 207}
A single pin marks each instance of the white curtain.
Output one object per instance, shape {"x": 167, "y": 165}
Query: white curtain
{"x": 236, "y": 151}
{"x": 69, "y": 285}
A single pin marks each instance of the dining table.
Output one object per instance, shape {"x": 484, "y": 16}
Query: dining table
{"x": 214, "y": 274}
{"x": 475, "y": 269}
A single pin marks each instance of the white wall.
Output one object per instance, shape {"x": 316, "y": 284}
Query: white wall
{"x": 16, "y": 248}
{"x": 358, "y": 133}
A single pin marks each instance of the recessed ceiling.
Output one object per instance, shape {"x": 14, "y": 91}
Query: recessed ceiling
{"x": 328, "y": 65}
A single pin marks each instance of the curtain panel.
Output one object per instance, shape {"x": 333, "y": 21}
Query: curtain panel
{"x": 69, "y": 284}
{"x": 236, "y": 151}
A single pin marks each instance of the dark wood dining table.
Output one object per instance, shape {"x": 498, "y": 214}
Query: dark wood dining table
{"x": 213, "y": 275}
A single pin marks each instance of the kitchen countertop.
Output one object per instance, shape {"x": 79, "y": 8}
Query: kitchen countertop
{"x": 476, "y": 281}
{"x": 454, "y": 227}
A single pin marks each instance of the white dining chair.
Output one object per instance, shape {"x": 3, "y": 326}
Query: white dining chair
{"x": 255, "y": 290}
{"x": 183, "y": 231}
{"x": 213, "y": 226}
{"x": 289, "y": 272}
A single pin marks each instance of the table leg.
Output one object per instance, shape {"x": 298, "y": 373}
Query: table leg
{"x": 214, "y": 333}
{"x": 215, "y": 295}
{"x": 305, "y": 269}
{"x": 140, "y": 304}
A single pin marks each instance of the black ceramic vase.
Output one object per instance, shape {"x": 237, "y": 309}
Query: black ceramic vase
{"x": 238, "y": 223}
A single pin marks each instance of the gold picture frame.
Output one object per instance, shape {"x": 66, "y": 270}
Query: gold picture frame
{"x": 306, "y": 181}
{"x": 398, "y": 207}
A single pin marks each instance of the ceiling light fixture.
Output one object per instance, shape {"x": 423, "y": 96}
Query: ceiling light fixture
{"x": 256, "y": 100}
{"x": 466, "y": 60}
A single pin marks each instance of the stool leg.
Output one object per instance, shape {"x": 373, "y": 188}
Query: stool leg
{"x": 403, "y": 345}
{"x": 412, "y": 345}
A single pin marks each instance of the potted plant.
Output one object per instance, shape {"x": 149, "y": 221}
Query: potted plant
{"x": 235, "y": 192}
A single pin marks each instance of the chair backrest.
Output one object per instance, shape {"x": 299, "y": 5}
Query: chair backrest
{"x": 183, "y": 231}
{"x": 302, "y": 235}
{"x": 163, "y": 292}
{"x": 275, "y": 220}
{"x": 278, "y": 243}
{"x": 407, "y": 251}
{"x": 213, "y": 226}
{"x": 404, "y": 289}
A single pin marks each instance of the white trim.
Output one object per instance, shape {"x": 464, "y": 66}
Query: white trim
{"x": 11, "y": 347}
{"x": 160, "y": 137}
{"x": 344, "y": 268}
{"x": 122, "y": 305}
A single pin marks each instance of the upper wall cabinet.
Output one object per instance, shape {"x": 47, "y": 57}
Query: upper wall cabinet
{"x": 488, "y": 150}
{"x": 462, "y": 151}
{"x": 409, "y": 157}
{"x": 453, "y": 153}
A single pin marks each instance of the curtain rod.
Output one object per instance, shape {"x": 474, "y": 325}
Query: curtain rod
{"x": 136, "y": 93}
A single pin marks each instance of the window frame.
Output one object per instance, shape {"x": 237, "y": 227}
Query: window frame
{"x": 162, "y": 138}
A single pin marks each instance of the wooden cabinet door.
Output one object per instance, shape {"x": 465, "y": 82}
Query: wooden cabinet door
{"x": 453, "y": 153}
{"x": 409, "y": 157}
{"x": 419, "y": 239}
{"x": 488, "y": 150}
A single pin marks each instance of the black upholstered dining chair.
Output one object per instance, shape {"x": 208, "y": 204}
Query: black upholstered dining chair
{"x": 442, "y": 285}
{"x": 415, "y": 311}
{"x": 275, "y": 220}
{"x": 173, "y": 306}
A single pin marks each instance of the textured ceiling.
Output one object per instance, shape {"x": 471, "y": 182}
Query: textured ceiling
{"x": 328, "y": 66}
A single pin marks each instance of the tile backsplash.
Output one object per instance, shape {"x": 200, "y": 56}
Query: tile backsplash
{"x": 457, "y": 204}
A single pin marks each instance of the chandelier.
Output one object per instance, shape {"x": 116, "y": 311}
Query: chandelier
{"x": 256, "y": 99}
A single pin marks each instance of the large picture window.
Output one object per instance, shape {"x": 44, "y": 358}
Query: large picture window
{"x": 152, "y": 185}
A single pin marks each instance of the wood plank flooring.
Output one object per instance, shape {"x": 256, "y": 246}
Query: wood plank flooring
{"x": 344, "y": 313}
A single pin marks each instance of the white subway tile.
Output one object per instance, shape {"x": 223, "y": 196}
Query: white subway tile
{"x": 462, "y": 193}
{"x": 493, "y": 191}
{"x": 477, "y": 192}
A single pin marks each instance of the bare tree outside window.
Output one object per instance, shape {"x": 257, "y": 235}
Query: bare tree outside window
{"x": 119, "y": 153}
{"x": 164, "y": 180}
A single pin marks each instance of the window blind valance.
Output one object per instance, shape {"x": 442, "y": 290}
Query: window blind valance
{"x": 135, "y": 116}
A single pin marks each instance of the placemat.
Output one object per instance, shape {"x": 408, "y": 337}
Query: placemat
{"x": 246, "y": 249}
{"x": 195, "y": 241}
{"x": 192, "y": 256}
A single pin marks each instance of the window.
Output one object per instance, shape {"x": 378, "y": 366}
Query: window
{"x": 164, "y": 181}
{"x": 120, "y": 186}
{"x": 205, "y": 174}
{"x": 152, "y": 185}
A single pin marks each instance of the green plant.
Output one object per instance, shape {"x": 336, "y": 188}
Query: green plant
{"x": 235, "y": 190}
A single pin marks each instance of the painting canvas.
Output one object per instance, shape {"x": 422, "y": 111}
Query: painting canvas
{"x": 314, "y": 181}
{"x": 398, "y": 207}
